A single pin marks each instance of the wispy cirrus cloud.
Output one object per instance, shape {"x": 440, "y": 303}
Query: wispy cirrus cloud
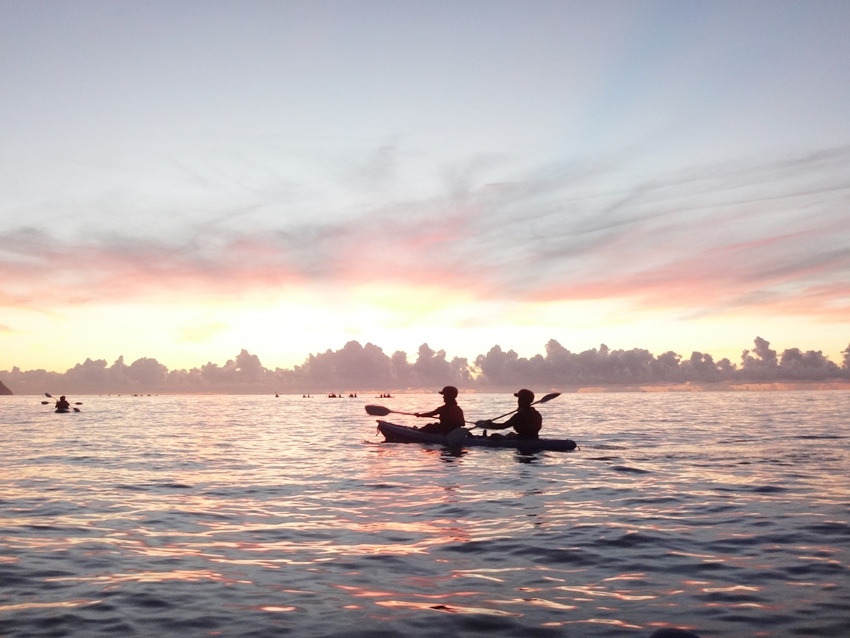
{"x": 708, "y": 238}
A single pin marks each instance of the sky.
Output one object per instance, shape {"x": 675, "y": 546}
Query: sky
{"x": 184, "y": 180}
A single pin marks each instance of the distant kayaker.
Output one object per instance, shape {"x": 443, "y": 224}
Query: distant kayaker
{"x": 451, "y": 416}
{"x": 62, "y": 404}
{"x": 526, "y": 422}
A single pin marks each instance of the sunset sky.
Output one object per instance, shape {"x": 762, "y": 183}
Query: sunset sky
{"x": 182, "y": 180}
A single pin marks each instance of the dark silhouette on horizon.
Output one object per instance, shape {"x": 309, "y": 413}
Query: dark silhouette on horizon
{"x": 366, "y": 367}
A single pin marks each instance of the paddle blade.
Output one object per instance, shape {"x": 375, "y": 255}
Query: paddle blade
{"x": 45, "y": 403}
{"x": 377, "y": 410}
{"x": 549, "y": 397}
{"x": 48, "y": 395}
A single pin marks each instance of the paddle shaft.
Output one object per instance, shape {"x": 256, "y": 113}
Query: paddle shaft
{"x": 456, "y": 437}
{"x": 407, "y": 413}
{"x": 548, "y": 397}
{"x": 379, "y": 410}
{"x": 50, "y": 396}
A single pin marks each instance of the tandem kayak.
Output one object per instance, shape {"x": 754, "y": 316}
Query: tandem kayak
{"x": 394, "y": 433}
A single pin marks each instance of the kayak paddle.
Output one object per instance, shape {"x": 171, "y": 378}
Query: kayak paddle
{"x": 457, "y": 436}
{"x": 548, "y": 397}
{"x": 50, "y": 396}
{"x": 379, "y": 410}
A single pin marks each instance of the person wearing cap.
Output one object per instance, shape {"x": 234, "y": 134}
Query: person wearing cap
{"x": 62, "y": 404}
{"x": 450, "y": 414}
{"x": 526, "y": 422}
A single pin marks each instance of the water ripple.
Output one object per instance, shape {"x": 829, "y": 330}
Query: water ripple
{"x": 725, "y": 514}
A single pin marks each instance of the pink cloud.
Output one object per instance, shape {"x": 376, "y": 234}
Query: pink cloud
{"x": 698, "y": 242}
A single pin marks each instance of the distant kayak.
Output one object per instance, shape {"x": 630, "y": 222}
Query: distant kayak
{"x": 62, "y": 410}
{"x": 394, "y": 433}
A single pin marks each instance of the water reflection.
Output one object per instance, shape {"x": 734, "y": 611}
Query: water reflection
{"x": 106, "y": 520}
{"x": 452, "y": 455}
{"x": 526, "y": 457}
{"x": 66, "y": 604}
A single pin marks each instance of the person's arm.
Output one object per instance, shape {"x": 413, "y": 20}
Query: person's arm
{"x": 430, "y": 414}
{"x": 489, "y": 425}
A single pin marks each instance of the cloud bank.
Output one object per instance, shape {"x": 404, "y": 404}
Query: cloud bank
{"x": 357, "y": 367}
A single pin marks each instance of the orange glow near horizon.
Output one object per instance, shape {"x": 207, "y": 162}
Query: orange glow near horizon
{"x": 283, "y": 329}
{"x": 264, "y": 221}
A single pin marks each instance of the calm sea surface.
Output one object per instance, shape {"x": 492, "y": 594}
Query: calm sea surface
{"x": 724, "y": 513}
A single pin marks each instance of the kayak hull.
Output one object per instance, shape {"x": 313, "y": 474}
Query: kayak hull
{"x": 394, "y": 433}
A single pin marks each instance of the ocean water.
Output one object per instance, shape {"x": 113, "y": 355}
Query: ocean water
{"x": 727, "y": 514}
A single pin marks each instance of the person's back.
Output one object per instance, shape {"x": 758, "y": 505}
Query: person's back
{"x": 450, "y": 414}
{"x": 527, "y": 423}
